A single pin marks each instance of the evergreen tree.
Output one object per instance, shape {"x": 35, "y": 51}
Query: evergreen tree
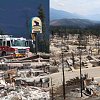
{"x": 42, "y": 41}
{"x": 41, "y": 15}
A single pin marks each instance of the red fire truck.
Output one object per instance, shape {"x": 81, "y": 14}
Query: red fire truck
{"x": 13, "y": 46}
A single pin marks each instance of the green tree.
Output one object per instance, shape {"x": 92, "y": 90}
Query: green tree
{"x": 42, "y": 41}
{"x": 41, "y": 15}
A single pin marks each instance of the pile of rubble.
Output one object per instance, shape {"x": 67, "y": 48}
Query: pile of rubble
{"x": 24, "y": 79}
{"x": 25, "y": 93}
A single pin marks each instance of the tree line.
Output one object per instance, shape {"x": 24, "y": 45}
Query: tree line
{"x": 63, "y": 30}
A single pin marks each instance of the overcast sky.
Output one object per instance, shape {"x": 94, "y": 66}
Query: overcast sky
{"x": 82, "y": 7}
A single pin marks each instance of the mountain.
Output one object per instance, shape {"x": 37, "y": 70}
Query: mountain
{"x": 59, "y": 14}
{"x": 81, "y": 23}
{"x": 63, "y": 18}
{"x": 95, "y": 17}
{"x": 14, "y": 13}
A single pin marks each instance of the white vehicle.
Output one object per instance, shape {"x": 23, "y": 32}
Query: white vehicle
{"x": 13, "y": 46}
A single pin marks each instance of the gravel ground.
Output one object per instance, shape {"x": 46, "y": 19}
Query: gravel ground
{"x": 57, "y": 81}
{"x": 57, "y": 77}
{"x": 58, "y": 94}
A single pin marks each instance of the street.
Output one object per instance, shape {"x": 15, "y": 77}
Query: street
{"x": 57, "y": 77}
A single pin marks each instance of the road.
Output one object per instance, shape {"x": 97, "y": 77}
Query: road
{"x": 57, "y": 77}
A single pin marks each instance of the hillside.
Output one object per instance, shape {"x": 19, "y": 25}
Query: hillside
{"x": 13, "y": 15}
{"x": 81, "y": 23}
{"x": 59, "y": 14}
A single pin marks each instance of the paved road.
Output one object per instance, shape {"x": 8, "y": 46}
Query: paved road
{"x": 57, "y": 77}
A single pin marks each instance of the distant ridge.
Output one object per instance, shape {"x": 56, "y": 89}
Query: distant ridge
{"x": 95, "y": 17}
{"x": 59, "y": 14}
{"x": 81, "y": 23}
{"x": 15, "y": 14}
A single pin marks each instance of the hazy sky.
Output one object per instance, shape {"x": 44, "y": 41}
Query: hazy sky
{"x": 82, "y": 7}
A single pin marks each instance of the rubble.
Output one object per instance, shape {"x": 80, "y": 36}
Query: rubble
{"x": 24, "y": 79}
{"x": 25, "y": 93}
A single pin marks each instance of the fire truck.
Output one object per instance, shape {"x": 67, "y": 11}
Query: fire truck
{"x": 16, "y": 47}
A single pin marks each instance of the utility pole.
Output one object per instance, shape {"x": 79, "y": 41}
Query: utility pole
{"x": 80, "y": 73}
{"x": 63, "y": 71}
{"x": 35, "y": 38}
{"x": 36, "y": 43}
{"x": 51, "y": 90}
{"x": 80, "y": 53}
